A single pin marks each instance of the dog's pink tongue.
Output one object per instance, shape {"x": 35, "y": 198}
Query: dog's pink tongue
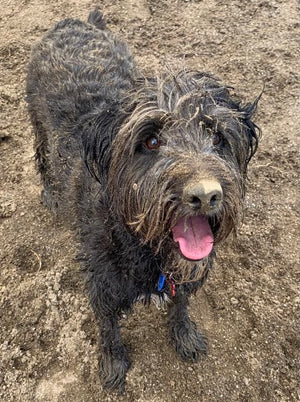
{"x": 194, "y": 236}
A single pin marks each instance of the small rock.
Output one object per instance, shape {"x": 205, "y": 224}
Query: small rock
{"x": 7, "y": 208}
{"x": 234, "y": 301}
{"x": 246, "y": 381}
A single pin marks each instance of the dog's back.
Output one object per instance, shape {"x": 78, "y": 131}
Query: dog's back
{"x": 76, "y": 68}
{"x": 73, "y": 66}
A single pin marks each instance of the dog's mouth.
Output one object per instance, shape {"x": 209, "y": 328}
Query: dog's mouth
{"x": 194, "y": 237}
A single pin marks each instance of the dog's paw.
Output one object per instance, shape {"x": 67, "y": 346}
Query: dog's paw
{"x": 189, "y": 343}
{"x": 113, "y": 369}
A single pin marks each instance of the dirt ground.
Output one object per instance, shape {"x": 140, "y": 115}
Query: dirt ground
{"x": 249, "y": 306}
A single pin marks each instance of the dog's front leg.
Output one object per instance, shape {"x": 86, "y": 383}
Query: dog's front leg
{"x": 189, "y": 343}
{"x": 114, "y": 360}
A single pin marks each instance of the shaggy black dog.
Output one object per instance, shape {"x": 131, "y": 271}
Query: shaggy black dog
{"x": 151, "y": 170}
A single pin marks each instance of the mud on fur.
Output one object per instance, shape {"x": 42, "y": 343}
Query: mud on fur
{"x": 151, "y": 171}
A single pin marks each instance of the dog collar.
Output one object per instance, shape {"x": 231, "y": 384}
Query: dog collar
{"x": 170, "y": 281}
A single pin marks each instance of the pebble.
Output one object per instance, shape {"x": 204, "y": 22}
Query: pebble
{"x": 234, "y": 301}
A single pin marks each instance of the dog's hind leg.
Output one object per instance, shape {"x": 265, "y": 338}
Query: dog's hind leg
{"x": 189, "y": 342}
{"x": 43, "y": 164}
{"x": 43, "y": 150}
{"x": 114, "y": 360}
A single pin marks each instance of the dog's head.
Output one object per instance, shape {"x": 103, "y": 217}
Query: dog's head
{"x": 177, "y": 163}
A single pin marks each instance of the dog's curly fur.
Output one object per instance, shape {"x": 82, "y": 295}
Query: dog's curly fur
{"x": 116, "y": 152}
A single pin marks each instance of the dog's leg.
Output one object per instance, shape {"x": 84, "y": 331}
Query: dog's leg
{"x": 114, "y": 360}
{"x": 189, "y": 343}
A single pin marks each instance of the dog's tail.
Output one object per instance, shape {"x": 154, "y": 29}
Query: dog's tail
{"x": 96, "y": 18}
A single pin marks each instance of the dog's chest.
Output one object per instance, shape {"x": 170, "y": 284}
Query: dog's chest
{"x": 159, "y": 300}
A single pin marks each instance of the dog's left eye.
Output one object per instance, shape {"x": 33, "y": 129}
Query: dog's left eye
{"x": 216, "y": 139}
{"x": 152, "y": 142}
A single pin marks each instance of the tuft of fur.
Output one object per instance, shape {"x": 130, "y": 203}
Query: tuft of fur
{"x": 93, "y": 112}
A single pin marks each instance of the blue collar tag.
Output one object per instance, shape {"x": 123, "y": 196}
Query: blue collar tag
{"x": 161, "y": 282}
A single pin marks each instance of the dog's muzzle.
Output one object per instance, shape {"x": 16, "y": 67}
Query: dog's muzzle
{"x": 193, "y": 232}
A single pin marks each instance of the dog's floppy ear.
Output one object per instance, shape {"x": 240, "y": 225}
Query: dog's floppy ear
{"x": 97, "y": 131}
{"x": 253, "y": 132}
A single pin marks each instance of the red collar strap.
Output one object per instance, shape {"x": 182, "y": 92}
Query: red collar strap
{"x": 170, "y": 282}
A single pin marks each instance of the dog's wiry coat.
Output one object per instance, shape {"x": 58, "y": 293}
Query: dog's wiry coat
{"x": 131, "y": 160}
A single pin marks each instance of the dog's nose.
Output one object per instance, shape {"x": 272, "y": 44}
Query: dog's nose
{"x": 204, "y": 196}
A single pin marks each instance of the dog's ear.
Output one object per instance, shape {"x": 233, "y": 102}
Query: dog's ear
{"x": 252, "y": 131}
{"x": 97, "y": 131}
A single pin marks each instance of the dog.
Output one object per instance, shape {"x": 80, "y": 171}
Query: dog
{"x": 151, "y": 172}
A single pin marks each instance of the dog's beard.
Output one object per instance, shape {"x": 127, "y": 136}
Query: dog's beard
{"x": 182, "y": 270}
{"x": 163, "y": 218}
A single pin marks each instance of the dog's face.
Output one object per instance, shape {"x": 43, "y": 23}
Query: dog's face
{"x": 178, "y": 165}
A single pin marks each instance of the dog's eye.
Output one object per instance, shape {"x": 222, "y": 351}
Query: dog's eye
{"x": 152, "y": 142}
{"x": 216, "y": 138}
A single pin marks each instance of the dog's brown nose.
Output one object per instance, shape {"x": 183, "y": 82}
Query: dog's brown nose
{"x": 204, "y": 195}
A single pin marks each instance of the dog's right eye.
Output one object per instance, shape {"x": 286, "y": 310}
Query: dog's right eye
{"x": 152, "y": 143}
{"x": 217, "y": 138}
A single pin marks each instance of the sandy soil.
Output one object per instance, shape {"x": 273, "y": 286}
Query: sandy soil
{"x": 249, "y": 307}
